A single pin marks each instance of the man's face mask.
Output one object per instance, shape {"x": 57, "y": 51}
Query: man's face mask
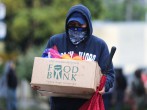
{"x": 77, "y": 33}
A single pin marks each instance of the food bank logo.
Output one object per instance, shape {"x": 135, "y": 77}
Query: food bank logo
{"x": 60, "y": 72}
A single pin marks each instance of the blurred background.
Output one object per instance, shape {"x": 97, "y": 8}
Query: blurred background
{"x": 26, "y": 25}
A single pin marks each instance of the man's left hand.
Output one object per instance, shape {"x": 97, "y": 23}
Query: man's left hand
{"x": 102, "y": 91}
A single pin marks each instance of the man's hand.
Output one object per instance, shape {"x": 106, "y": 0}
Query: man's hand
{"x": 102, "y": 91}
{"x": 35, "y": 87}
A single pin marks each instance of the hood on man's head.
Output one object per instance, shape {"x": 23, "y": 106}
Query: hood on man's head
{"x": 77, "y": 17}
{"x": 84, "y": 12}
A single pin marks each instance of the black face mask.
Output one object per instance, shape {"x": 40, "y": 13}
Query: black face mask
{"x": 77, "y": 34}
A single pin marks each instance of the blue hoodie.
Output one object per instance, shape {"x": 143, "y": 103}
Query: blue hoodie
{"x": 92, "y": 47}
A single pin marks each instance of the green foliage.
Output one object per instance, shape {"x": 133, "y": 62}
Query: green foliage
{"x": 13, "y": 6}
{"x": 29, "y": 27}
{"x": 1, "y": 70}
{"x": 114, "y": 11}
{"x": 96, "y": 8}
{"x": 125, "y": 10}
{"x": 20, "y": 24}
{"x": 24, "y": 63}
{"x": 138, "y": 12}
{"x": 3, "y": 103}
{"x": 33, "y": 22}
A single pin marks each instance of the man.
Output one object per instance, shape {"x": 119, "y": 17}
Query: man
{"x": 12, "y": 86}
{"x": 78, "y": 39}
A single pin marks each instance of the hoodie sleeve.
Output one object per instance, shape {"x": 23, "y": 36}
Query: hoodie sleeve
{"x": 102, "y": 62}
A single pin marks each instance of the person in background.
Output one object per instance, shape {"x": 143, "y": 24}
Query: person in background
{"x": 12, "y": 85}
{"x": 78, "y": 39}
{"x": 138, "y": 90}
{"x": 119, "y": 89}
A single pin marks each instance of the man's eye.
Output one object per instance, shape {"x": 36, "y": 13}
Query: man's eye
{"x": 74, "y": 23}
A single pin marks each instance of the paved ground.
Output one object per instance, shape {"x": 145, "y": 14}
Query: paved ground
{"x": 27, "y": 104}
{"x": 30, "y": 104}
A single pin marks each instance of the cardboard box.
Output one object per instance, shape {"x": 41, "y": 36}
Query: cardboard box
{"x": 62, "y": 77}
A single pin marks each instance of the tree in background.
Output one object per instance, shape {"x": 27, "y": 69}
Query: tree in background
{"x": 124, "y": 10}
{"x": 31, "y": 22}
{"x": 25, "y": 62}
